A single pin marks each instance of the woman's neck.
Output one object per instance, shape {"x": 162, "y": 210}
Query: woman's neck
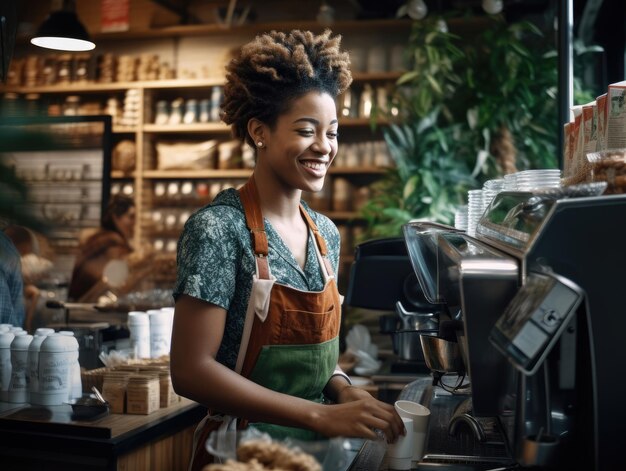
{"x": 277, "y": 202}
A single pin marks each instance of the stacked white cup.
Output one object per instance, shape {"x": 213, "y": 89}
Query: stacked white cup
{"x": 160, "y": 331}
{"x": 139, "y": 327}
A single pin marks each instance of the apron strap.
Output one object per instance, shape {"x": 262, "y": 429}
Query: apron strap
{"x": 321, "y": 243}
{"x": 254, "y": 220}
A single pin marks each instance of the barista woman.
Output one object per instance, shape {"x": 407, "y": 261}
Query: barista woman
{"x": 257, "y": 308}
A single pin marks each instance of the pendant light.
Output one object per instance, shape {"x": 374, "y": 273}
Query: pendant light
{"x": 63, "y": 31}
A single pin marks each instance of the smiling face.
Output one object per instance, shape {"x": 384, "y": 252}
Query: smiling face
{"x": 299, "y": 149}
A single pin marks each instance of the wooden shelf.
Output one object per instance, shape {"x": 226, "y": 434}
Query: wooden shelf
{"x": 177, "y": 128}
{"x": 196, "y": 174}
{"x": 125, "y": 129}
{"x": 90, "y": 87}
{"x": 73, "y": 88}
{"x": 183, "y": 83}
{"x": 377, "y": 76}
{"x": 371, "y": 26}
{"x": 353, "y": 122}
{"x": 119, "y": 175}
{"x": 214, "y": 29}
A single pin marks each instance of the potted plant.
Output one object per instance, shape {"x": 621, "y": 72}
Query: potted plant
{"x": 470, "y": 109}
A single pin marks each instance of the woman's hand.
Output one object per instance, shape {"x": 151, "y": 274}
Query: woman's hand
{"x": 359, "y": 416}
{"x": 351, "y": 393}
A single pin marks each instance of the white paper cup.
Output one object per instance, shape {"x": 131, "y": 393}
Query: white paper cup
{"x": 400, "y": 453}
{"x": 421, "y": 417}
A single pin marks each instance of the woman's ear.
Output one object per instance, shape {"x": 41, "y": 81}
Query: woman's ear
{"x": 256, "y": 130}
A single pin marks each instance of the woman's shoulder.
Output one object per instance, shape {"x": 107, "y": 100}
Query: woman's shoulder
{"x": 225, "y": 211}
{"x": 105, "y": 237}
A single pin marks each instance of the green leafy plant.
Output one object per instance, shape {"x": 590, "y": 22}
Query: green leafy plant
{"x": 469, "y": 109}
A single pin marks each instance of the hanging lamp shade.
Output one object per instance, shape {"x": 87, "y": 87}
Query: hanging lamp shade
{"x": 63, "y": 31}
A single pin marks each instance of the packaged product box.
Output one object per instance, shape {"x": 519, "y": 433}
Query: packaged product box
{"x": 167, "y": 395}
{"x": 186, "y": 155}
{"x": 589, "y": 127}
{"x": 577, "y": 145}
{"x": 114, "y": 390}
{"x": 616, "y": 121}
{"x": 601, "y": 114}
{"x": 567, "y": 150}
{"x": 143, "y": 394}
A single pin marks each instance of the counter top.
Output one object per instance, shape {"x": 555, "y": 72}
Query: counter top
{"x": 58, "y": 420}
{"x": 33, "y": 437}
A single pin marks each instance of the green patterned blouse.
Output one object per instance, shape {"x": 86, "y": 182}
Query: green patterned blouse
{"x": 215, "y": 262}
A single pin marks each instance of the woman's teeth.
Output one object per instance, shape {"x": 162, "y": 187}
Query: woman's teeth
{"x": 314, "y": 165}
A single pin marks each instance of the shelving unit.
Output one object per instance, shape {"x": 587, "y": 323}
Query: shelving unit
{"x": 145, "y": 176}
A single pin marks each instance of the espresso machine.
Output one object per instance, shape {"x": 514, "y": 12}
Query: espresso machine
{"x": 534, "y": 304}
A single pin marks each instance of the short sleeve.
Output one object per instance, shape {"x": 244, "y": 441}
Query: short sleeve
{"x": 208, "y": 256}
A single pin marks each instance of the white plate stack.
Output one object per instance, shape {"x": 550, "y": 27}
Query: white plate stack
{"x": 510, "y": 182}
{"x": 460, "y": 217}
{"x": 474, "y": 210}
{"x": 529, "y": 180}
{"x": 490, "y": 189}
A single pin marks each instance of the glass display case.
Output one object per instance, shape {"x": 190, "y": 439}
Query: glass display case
{"x": 64, "y": 163}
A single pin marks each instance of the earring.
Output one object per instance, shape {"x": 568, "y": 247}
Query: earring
{"x": 259, "y": 144}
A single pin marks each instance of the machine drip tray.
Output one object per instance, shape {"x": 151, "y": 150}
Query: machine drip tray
{"x": 464, "y": 446}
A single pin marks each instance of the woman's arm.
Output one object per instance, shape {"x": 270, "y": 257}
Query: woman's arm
{"x": 196, "y": 337}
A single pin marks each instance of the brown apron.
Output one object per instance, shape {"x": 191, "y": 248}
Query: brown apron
{"x": 290, "y": 337}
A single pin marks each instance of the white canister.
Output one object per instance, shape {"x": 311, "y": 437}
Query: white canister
{"x": 18, "y": 387}
{"x": 33, "y": 363}
{"x": 160, "y": 333}
{"x": 45, "y": 331}
{"x": 56, "y": 357}
{"x": 5, "y": 364}
{"x": 139, "y": 327}
{"x": 75, "y": 381}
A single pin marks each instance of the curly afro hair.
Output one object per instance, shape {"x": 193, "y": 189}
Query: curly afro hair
{"x": 275, "y": 69}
